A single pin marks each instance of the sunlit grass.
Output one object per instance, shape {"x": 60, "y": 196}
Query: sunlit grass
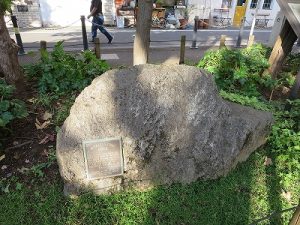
{"x": 246, "y": 194}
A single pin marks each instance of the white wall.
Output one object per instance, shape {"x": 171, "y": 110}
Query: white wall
{"x": 203, "y": 7}
{"x": 65, "y": 12}
{"x": 31, "y": 18}
{"x": 273, "y": 13}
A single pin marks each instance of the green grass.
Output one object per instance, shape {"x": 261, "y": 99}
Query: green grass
{"x": 249, "y": 192}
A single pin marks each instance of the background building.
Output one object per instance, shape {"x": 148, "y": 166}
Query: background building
{"x": 47, "y": 13}
{"x": 234, "y": 10}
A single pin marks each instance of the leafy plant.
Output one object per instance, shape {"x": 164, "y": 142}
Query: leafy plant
{"x": 5, "y": 5}
{"x": 63, "y": 110}
{"x": 292, "y": 63}
{"x": 239, "y": 71}
{"x": 60, "y": 73}
{"x": 10, "y": 108}
{"x": 38, "y": 170}
{"x": 247, "y": 101}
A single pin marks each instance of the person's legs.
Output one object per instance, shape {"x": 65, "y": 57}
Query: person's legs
{"x": 100, "y": 21}
{"x": 94, "y": 28}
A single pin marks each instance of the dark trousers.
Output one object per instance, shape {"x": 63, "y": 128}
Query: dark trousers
{"x": 98, "y": 24}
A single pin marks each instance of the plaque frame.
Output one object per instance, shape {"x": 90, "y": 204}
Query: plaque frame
{"x": 101, "y": 141}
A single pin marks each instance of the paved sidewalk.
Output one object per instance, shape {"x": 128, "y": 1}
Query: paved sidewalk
{"x": 123, "y": 38}
{"x": 124, "y": 57}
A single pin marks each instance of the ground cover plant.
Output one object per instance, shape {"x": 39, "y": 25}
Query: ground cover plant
{"x": 10, "y": 108}
{"x": 60, "y": 76}
{"x": 267, "y": 182}
{"x": 239, "y": 70}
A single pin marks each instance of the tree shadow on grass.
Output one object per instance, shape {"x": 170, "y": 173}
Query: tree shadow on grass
{"x": 222, "y": 201}
{"x": 274, "y": 191}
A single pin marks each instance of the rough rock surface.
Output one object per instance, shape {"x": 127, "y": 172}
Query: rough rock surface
{"x": 174, "y": 128}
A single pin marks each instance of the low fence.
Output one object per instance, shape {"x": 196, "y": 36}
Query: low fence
{"x": 96, "y": 46}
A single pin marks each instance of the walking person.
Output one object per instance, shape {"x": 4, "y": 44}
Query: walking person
{"x": 98, "y": 20}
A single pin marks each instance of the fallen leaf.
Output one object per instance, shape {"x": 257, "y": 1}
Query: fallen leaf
{"x": 268, "y": 161}
{"x": 4, "y": 167}
{"x": 31, "y": 100}
{"x": 44, "y": 140}
{"x": 287, "y": 195}
{"x": 47, "y": 138}
{"x": 23, "y": 169}
{"x": 2, "y": 157}
{"x": 52, "y": 137}
{"x": 47, "y": 116}
{"x": 45, "y": 153}
{"x": 16, "y": 155}
{"x": 40, "y": 126}
{"x": 15, "y": 143}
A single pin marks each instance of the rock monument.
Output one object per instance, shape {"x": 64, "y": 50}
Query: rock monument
{"x": 154, "y": 124}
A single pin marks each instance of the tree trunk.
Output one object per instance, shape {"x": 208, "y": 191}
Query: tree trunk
{"x": 282, "y": 48}
{"x": 142, "y": 35}
{"x": 9, "y": 63}
{"x": 296, "y": 217}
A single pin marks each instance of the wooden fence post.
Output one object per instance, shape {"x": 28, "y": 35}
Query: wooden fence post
{"x": 97, "y": 48}
{"x": 240, "y": 36}
{"x": 182, "y": 49}
{"x": 43, "y": 46}
{"x": 222, "y": 41}
{"x": 251, "y": 40}
{"x": 84, "y": 35}
{"x": 194, "y": 42}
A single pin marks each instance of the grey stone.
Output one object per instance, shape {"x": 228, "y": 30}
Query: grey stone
{"x": 174, "y": 128}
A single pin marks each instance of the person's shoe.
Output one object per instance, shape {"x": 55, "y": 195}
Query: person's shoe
{"x": 110, "y": 40}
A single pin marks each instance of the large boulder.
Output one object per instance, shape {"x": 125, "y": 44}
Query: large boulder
{"x": 173, "y": 124}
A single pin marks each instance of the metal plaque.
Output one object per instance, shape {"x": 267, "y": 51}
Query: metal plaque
{"x": 22, "y": 8}
{"x": 103, "y": 158}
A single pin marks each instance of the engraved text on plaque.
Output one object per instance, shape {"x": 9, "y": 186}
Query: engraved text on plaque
{"x": 103, "y": 158}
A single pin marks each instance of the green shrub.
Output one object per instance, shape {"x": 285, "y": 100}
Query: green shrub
{"x": 292, "y": 63}
{"x": 10, "y": 108}
{"x": 60, "y": 73}
{"x": 239, "y": 70}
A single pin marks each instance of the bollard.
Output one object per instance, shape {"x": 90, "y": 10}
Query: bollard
{"x": 222, "y": 41}
{"x": 239, "y": 40}
{"x": 194, "y": 43}
{"x": 182, "y": 49}
{"x": 97, "y": 48}
{"x": 18, "y": 36}
{"x": 43, "y": 46}
{"x": 251, "y": 40}
{"x": 84, "y": 36}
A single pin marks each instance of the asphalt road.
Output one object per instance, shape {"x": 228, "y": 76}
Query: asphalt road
{"x": 123, "y": 38}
